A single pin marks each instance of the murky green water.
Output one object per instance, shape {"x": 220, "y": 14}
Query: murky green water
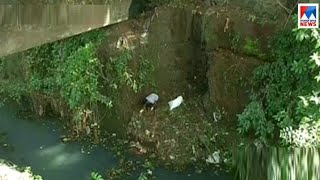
{"x": 37, "y": 144}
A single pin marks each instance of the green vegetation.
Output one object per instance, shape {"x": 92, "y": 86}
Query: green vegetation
{"x": 252, "y": 48}
{"x": 284, "y": 111}
{"x": 66, "y": 70}
{"x": 67, "y": 78}
{"x": 277, "y": 163}
{"x": 284, "y": 102}
{"x": 246, "y": 45}
{"x": 254, "y": 118}
{"x": 148, "y": 171}
{"x": 96, "y": 176}
{"x": 122, "y": 75}
{"x": 235, "y": 38}
{"x": 127, "y": 168}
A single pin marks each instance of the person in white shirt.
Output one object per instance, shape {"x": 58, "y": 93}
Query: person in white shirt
{"x": 150, "y": 101}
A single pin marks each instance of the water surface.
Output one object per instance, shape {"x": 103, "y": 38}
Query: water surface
{"x": 37, "y": 143}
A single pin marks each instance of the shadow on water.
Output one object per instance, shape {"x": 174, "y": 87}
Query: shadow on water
{"x": 37, "y": 144}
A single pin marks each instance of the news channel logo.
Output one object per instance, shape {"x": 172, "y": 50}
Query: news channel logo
{"x": 308, "y": 15}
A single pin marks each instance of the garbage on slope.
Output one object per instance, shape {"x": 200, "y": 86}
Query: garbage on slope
{"x": 175, "y": 102}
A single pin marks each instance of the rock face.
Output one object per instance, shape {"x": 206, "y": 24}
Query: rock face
{"x": 191, "y": 54}
{"x": 180, "y": 65}
{"x": 226, "y": 73}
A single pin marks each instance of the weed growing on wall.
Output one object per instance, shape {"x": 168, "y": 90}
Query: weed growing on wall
{"x": 119, "y": 71}
{"x": 235, "y": 39}
{"x": 122, "y": 75}
{"x": 252, "y": 48}
{"x": 145, "y": 71}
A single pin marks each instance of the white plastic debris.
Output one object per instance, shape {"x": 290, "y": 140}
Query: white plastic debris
{"x": 152, "y": 98}
{"x": 144, "y": 38}
{"x": 147, "y": 132}
{"x": 171, "y": 157}
{"x": 175, "y": 102}
{"x": 143, "y": 35}
{"x": 214, "y": 158}
{"x": 88, "y": 130}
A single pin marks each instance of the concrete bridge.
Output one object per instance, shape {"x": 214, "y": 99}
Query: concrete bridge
{"x": 23, "y": 26}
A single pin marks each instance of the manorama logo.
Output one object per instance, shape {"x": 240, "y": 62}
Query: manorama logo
{"x": 308, "y": 15}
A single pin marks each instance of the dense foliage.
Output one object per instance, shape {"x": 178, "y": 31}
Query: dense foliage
{"x": 284, "y": 101}
{"x": 67, "y": 77}
{"x": 68, "y": 69}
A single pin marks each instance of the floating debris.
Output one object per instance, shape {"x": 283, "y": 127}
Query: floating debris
{"x": 66, "y": 139}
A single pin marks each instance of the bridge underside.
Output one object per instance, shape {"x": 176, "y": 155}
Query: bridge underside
{"x": 26, "y": 26}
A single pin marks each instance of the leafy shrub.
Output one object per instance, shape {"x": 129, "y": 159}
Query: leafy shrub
{"x": 287, "y": 89}
{"x": 70, "y": 73}
{"x": 306, "y": 135}
{"x": 67, "y": 70}
{"x": 79, "y": 78}
{"x": 119, "y": 71}
{"x": 253, "y": 118}
{"x": 122, "y": 75}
